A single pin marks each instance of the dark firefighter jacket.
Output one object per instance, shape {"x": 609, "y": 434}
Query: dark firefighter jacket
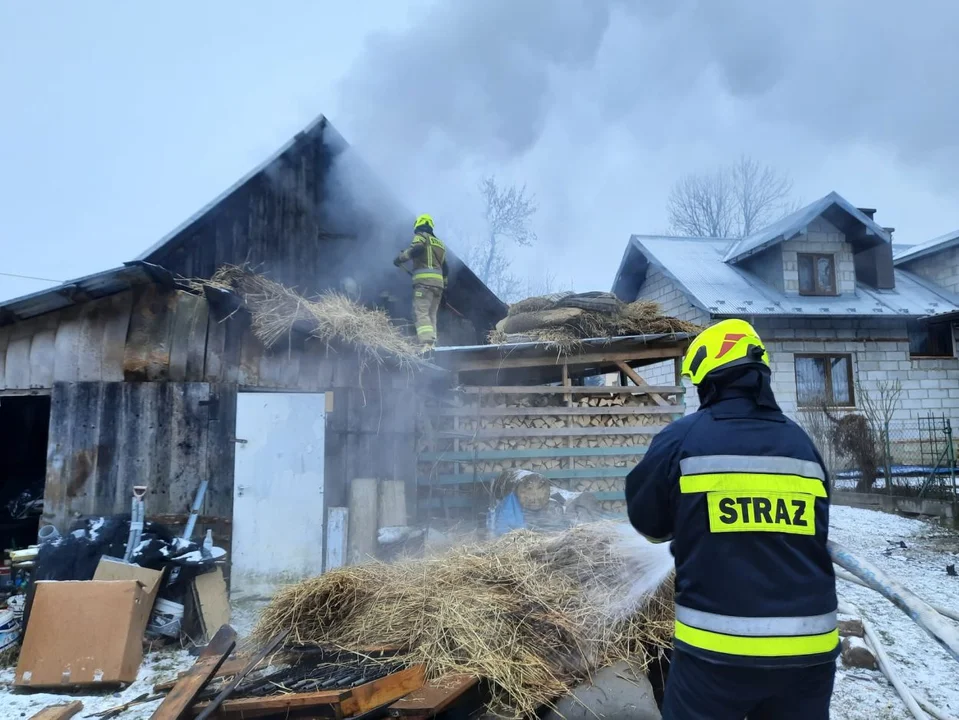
{"x": 741, "y": 491}
{"x": 429, "y": 259}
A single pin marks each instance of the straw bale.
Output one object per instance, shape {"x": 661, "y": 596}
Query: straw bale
{"x": 330, "y": 316}
{"x": 534, "y": 613}
{"x": 563, "y": 329}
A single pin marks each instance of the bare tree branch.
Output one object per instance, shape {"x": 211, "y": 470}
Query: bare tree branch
{"x": 508, "y": 215}
{"x": 733, "y": 201}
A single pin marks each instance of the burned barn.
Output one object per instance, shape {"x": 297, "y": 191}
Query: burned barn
{"x": 134, "y": 377}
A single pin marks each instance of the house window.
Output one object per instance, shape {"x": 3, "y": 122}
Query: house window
{"x": 930, "y": 339}
{"x": 824, "y": 378}
{"x": 817, "y": 274}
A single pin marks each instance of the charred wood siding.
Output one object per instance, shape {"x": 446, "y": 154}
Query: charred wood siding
{"x": 107, "y": 437}
{"x": 144, "y": 392}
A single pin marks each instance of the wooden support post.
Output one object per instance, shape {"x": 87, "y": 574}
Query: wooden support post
{"x": 361, "y": 546}
{"x": 392, "y": 504}
{"x": 337, "y": 532}
{"x": 568, "y": 397}
{"x": 636, "y": 378}
{"x": 678, "y": 366}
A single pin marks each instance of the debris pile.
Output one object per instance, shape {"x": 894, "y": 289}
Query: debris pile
{"x": 565, "y": 319}
{"x": 531, "y": 613}
{"x": 331, "y": 317}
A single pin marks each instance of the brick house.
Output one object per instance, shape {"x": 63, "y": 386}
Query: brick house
{"x": 838, "y": 309}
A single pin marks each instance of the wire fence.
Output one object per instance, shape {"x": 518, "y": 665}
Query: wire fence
{"x": 915, "y": 458}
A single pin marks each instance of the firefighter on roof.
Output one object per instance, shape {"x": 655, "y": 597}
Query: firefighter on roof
{"x": 741, "y": 492}
{"x": 429, "y": 278}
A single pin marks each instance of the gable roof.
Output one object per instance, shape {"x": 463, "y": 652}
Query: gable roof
{"x": 857, "y": 226}
{"x": 720, "y": 288}
{"x": 943, "y": 242}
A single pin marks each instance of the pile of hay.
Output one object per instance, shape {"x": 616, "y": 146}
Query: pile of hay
{"x": 564, "y": 320}
{"x": 533, "y": 613}
{"x": 330, "y": 317}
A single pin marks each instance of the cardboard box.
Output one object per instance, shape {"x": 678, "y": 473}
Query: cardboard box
{"x": 115, "y": 569}
{"x": 83, "y": 633}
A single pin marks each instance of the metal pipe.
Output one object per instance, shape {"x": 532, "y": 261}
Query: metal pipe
{"x": 915, "y": 607}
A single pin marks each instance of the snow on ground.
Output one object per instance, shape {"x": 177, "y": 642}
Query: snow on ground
{"x": 859, "y": 695}
{"x": 157, "y": 667}
{"x": 921, "y": 566}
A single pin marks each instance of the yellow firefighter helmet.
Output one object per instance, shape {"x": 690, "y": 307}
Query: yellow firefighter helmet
{"x": 725, "y": 344}
{"x": 424, "y": 219}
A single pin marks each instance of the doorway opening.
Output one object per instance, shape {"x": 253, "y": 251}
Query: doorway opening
{"x": 24, "y": 427}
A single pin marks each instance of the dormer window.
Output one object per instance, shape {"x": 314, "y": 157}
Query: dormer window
{"x": 817, "y": 274}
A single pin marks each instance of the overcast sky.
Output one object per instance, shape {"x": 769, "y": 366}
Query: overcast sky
{"x": 119, "y": 121}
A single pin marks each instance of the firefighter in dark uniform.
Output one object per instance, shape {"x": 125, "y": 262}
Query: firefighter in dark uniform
{"x": 430, "y": 273}
{"x": 741, "y": 492}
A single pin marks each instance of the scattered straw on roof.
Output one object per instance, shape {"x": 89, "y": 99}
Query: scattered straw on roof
{"x": 643, "y": 317}
{"x": 276, "y": 310}
{"x": 534, "y": 613}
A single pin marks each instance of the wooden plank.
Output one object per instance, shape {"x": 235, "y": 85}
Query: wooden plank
{"x": 337, "y": 531}
{"x": 183, "y": 310}
{"x": 382, "y": 692}
{"x": 43, "y": 357}
{"x": 640, "y": 382}
{"x": 108, "y": 497}
{"x": 196, "y": 352}
{"x": 434, "y": 697}
{"x": 115, "y": 328}
{"x": 67, "y": 346}
{"x": 548, "y": 411}
{"x": 556, "y": 389}
{"x": 212, "y": 600}
{"x": 229, "y": 668}
{"x": 280, "y": 705}
{"x": 249, "y": 368}
{"x": 147, "y": 353}
{"x": 573, "y": 474}
{"x": 230, "y": 687}
{"x": 183, "y": 694}
{"x": 18, "y": 363}
{"x": 136, "y": 442}
{"x": 467, "y": 500}
{"x": 496, "y": 433}
{"x": 90, "y": 342}
{"x": 188, "y": 443}
{"x": 270, "y": 371}
{"x": 4, "y": 341}
{"x": 552, "y": 360}
{"x": 213, "y": 368}
{"x": 523, "y": 454}
{"x": 59, "y": 712}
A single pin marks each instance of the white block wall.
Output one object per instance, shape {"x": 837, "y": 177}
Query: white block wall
{"x": 880, "y": 352}
{"x": 942, "y": 268}
{"x": 822, "y": 237}
{"x": 675, "y": 303}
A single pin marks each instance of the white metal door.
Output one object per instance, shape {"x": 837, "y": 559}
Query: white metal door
{"x": 277, "y": 490}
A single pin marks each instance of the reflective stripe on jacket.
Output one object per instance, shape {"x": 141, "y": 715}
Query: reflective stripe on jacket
{"x": 429, "y": 259}
{"x": 742, "y": 493}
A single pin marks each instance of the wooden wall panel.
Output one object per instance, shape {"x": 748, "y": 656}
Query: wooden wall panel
{"x": 107, "y": 437}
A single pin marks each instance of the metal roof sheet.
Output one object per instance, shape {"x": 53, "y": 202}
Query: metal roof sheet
{"x": 75, "y": 292}
{"x": 612, "y": 343}
{"x": 720, "y": 288}
{"x": 796, "y": 224}
{"x": 943, "y": 242}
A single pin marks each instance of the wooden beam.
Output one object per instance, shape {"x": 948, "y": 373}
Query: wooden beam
{"x": 550, "y": 432}
{"x": 568, "y": 398}
{"x": 59, "y": 712}
{"x": 230, "y": 687}
{"x": 510, "y": 363}
{"x": 382, "y": 692}
{"x": 640, "y": 382}
{"x": 434, "y": 697}
{"x": 554, "y": 389}
{"x": 532, "y": 411}
{"x": 482, "y": 455}
{"x": 574, "y": 474}
{"x": 184, "y": 693}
